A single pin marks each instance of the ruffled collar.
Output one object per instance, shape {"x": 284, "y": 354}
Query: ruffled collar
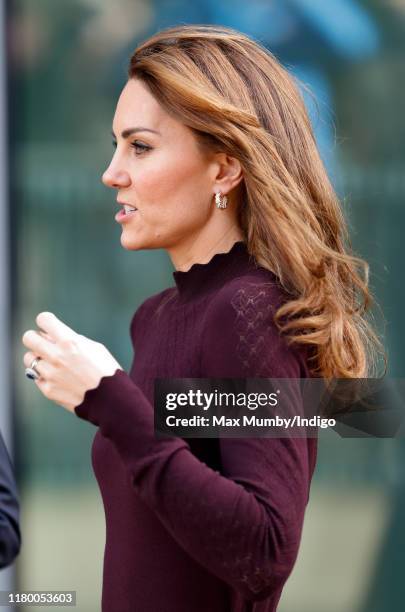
{"x": 201, "y": 277}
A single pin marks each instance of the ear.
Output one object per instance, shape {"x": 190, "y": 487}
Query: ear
{"x": 229, "y": 173}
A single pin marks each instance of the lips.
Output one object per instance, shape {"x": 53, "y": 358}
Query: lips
{"x": 129, "y": 208}
{"x": 125, "y": 214}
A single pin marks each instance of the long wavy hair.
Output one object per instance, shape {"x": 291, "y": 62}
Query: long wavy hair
{"x": 238, "y": 99}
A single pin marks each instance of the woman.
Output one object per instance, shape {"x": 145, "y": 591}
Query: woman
{"x": 215, "y": 162}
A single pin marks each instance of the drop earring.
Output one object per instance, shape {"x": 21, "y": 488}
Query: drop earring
{"x": 221, "y": 200}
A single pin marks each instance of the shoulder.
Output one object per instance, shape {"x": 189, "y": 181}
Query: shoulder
{"x": 240, "y": 336}
{"x": 256, "y": 294}
{"x": 150, "y": 307}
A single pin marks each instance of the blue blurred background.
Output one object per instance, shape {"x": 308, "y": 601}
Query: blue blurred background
{"x": 67, "y": 63}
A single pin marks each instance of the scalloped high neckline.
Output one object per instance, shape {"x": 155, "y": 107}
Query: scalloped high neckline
{"x": 196, "y": 265}
{"x": 200, "y": 275}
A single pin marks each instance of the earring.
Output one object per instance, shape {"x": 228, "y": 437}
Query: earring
{"x": 221, "y": 200}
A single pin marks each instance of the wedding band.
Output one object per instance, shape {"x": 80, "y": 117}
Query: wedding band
{"x": 31, "y": 372}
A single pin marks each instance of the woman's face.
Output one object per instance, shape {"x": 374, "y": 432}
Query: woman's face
{"x": 158, "y": 168}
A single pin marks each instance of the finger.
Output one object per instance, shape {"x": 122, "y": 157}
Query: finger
{"x": 58, "y": 330}
{"x": 41, "y": 366}
{"x": 47, "y": 336}
{"x": 39, "y": 345}
{"x": 28, "y": 359}
{"x": 41, "y": 383}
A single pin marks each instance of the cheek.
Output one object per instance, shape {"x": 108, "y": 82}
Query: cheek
{"x": 171, "y": 179}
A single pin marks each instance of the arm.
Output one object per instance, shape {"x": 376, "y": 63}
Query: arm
{"x": 243, "y": 525}
{"x": 10, "y": 539}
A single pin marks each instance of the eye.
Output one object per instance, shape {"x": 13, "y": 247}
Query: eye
{"x": 114, "y": 144}
{"x": 140, "y": 147}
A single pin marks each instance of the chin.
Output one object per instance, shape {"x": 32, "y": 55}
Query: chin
{"x": 134, "y": 239}
{"x": 134, "y": 243}
{"x": 131, "y": 244}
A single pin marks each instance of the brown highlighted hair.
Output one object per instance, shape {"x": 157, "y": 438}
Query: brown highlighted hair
{"x": 237, "y": 98}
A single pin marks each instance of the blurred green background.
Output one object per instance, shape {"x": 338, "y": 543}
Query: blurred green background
{"x": 67, "y": 64}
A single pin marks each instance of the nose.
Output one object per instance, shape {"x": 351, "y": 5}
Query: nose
{"x": 115, "y": 177}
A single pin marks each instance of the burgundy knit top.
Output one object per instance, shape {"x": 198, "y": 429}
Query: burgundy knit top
{"x": 199, "y": 524}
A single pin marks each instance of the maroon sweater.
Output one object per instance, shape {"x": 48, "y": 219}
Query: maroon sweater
{"x": 199, "y": 525}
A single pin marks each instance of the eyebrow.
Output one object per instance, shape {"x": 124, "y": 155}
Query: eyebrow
{"x": 129, "y": 131}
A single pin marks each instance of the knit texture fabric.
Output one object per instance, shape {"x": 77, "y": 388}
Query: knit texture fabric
{"x": 198, "y": 525}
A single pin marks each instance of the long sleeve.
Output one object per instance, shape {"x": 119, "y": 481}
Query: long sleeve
{"x": 244, "y": 524}
{"x": 10, "y": 539}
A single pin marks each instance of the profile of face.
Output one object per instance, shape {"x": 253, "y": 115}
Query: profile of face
{"x": 159, "y": 168}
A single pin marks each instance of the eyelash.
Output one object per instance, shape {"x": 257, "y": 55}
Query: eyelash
{"x": 139, "y": 147}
